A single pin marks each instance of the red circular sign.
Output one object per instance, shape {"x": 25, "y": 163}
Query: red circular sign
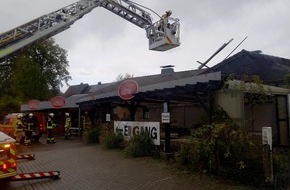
{"x": 58, "y": 102}
{"x": 33, "y": 104}
{"x": 127, "y": 89}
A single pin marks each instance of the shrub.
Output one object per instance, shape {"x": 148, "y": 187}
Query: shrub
{"x": 113, "y": 140}
{"x": 224, "y": 149}
{"x": 183, "y": 156}
{"x": 281, "y": 161}
{"x": 139, "y": 145}
{"x": 93, "y": 135}
{"x": 105, "y": 129}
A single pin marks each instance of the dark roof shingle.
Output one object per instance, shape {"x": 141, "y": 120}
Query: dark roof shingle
{"x": 269, "y": 68}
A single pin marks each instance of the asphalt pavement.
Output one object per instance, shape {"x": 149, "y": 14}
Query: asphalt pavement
{"x": 85, "y": 166}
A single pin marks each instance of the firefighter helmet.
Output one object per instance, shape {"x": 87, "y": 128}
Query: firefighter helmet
{"x": 51, "y": 114}
{"x": 66, "y": 114}
{"x": 169, "y": 12}
{"x": 31, "y": 114}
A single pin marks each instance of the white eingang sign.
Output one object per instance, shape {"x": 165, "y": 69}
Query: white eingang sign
{"x": 131, "y": 128}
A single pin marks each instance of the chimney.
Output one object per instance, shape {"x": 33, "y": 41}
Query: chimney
{"x": 167, "y": 69}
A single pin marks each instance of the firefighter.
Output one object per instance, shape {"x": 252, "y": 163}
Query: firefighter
{"x": 50, "y": 126}
{"x": 29, "y": 126}
{"x": 164, "y": 20}
{"x": 67, "y": 126}
{"x": 18, "y": 129}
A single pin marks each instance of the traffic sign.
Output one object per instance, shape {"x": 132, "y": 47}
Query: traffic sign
{"x": 165, "y": 117}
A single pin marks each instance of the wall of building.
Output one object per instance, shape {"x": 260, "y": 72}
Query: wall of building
{"x": 233, "y": 103}
{"x": 180, "y": 115}
{"x": 264, "y": 115}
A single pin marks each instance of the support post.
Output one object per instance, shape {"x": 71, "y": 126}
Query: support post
{"x": 268, "y": 165}
{"x": 132, "y": 109}
{"x": 267, "y": 153}
{"x": 79, "y": 122}
{"x": 167, "y": 127}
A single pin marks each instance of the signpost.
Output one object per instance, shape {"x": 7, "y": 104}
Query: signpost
{"x": 108, "y": 117}
{"x": 131, "y": 128}
{"x": 267, "y": 136}
{"x": 166, "y": 120}
{"x": 165, "y": 117}
{"x": 57, "y": 102}
{"x": 127, "y": 89}
{"x": 33, "y": 104}
{"x": 267, "y": 152}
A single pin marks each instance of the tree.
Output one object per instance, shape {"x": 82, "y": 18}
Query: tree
{"x": 35, "y": 73}
{"x": 53, "y": 62}
{"x": 121, "y": 77}
{"x": 5, "y": 79}
{"x": 27, "y": 80}
{"x": 8, "y": 104}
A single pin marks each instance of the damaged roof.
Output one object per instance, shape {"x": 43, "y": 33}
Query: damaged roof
{"x": 270, "y": 69}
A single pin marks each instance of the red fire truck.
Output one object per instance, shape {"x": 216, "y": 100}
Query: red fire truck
{"x": 8, "y": 158}
{"x": 8, "y": 162}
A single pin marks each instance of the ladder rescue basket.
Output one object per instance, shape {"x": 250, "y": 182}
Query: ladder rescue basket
{"x": 164, "y": 37}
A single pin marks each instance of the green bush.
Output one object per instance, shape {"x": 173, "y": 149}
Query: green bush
{"x": 113, "y": 140}
{"x": 224, "y": 149}
{"x": 93, "y": 135}
{"x": 183, "y": 156}
{"x": 139, "y": 145}
{"x": 280, "y": 161}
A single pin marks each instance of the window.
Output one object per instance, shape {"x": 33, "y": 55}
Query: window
{"x": 4, "y": 153}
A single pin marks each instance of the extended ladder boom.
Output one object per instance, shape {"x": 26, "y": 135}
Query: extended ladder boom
{"x": 55, "y": 22}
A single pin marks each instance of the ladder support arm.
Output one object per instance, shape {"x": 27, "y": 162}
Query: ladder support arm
{"x": 55, "y": 22}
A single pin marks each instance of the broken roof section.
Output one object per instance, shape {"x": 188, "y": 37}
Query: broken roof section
{"x": 168, "y": 84}
{"x": 271, "y": 69}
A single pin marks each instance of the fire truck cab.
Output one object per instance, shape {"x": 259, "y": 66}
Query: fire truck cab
{"x": 8, "y": 158}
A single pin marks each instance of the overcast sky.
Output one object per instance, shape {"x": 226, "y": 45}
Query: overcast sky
{"x": 102, "y": 45}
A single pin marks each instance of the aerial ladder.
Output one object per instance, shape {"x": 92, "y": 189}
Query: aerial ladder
{"x": 161, "y": 37}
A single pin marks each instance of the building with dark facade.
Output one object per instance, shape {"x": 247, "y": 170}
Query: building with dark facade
{"x": 189, "y": 96}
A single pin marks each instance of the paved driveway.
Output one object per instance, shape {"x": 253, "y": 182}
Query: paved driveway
{"x": 89, "y": 167}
